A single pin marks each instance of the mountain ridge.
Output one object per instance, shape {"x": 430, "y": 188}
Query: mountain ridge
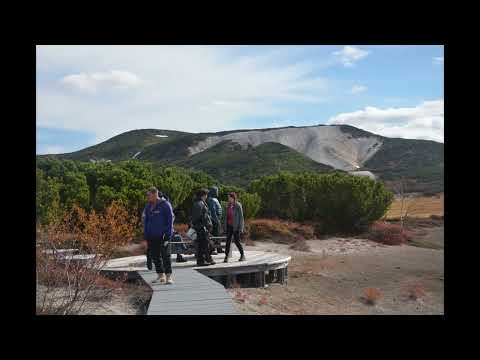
{"x": 235, "y": 156}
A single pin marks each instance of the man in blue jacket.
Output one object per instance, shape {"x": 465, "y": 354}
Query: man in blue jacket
{"x": 158, "y": 230}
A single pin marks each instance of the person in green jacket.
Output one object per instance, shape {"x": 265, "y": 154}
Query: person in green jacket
{"x": 202, "y": 224}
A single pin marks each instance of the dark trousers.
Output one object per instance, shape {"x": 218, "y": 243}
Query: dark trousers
{"x": 159, "y": 254}
{"x": 236, "y": 240}
{"x": 203, "y": 248}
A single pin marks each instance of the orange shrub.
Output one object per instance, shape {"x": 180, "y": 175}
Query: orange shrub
{"x": 389, "y": 234}
{"x": 64, "y": 284}
{"x": 279, "y": 230}
{"x": 371, "y": 295}
{"x": 415, "y": 291}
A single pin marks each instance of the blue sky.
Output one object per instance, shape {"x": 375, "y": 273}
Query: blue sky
{"x": 87, "y": 94}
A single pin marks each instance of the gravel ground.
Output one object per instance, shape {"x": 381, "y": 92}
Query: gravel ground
{"x": 331, "y": 278}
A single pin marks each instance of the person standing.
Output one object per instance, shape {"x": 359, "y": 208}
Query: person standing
{"x": 158, "y": 229}
{"x": 202, "y": 224}
{"x": 215, "y": 212}
{"x": 235, "y": 224}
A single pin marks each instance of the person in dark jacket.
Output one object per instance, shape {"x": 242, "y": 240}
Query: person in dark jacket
{"x": 215, "y": 212}
{"x": 234, "y": 223}
{"x": 158, "y": 229}
{"x": 202, "y": 224}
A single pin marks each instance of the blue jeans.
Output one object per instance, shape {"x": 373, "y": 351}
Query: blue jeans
{"x": 178, "y": 248}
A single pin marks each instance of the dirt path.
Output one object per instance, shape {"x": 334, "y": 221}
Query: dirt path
{"x": 331, "y": 278}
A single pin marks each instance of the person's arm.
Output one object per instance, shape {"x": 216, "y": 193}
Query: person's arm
{"x": 144, "y": 218}
{"x": 219, "y": 210}
{"x": 242, "y": 222}
{"x": 207, "y": 221}
{"x": 169, "y": 219}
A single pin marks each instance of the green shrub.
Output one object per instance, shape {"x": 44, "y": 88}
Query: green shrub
{"x": 341, "y": 202}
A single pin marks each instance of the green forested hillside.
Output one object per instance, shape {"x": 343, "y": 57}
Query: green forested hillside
{"x": 231, "y": 164}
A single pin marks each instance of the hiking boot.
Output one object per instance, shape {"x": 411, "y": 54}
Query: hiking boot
{"x": 180, "y": 258}
{"x": 160, "y": 279}
{"x": 242, "y": 258}
{"x": 169, "y": 279}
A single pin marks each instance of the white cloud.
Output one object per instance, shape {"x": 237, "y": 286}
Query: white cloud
{"x": 424, "y": 121}
{"x": 438, "y": 60}
{"x": 92, "y": 82}
{"x": 349, "y": 55}
{"x": 189, "y": 88}
{"x": 52, "y": 149}
{"x": 356, "y": 89}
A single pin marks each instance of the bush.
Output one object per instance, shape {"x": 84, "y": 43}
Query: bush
{"x": 342, "y": 202}
{"x": 285, "y": 232}
{"x": 388, "y": 234}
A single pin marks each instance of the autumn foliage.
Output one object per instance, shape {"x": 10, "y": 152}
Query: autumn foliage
{"x": 71, "y": 254}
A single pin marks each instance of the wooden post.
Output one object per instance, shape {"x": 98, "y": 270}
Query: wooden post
{"x": 260, "y": 279}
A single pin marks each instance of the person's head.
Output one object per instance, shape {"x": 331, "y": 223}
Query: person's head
{"x": 152, "y": 194}
{"x": 213, "y": 192}
{"x": 202, "y": 194}
{"x": 232, "y": 197}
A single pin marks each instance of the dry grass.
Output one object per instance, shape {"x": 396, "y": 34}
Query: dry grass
{"x": 371, "y": 295}
{"x": 300, "y": 245}
{"x": 421, "y": 207}
{"x": 263, "y": 300}
{"x": 240, "y": 296}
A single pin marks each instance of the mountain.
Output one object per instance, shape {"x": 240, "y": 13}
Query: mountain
{"x": 239, "y": 156}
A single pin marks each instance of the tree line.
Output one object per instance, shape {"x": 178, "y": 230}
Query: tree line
{"x": 338, "y": 200}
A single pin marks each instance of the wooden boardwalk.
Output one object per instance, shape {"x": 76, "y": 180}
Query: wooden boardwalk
{"x": 191, "y": 294}
{"x": 195, "y": 292}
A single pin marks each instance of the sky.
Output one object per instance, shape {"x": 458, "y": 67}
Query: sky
{"x": 88, "y": 94}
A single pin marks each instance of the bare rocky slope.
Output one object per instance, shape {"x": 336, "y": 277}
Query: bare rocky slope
{"x": 324, "y": 144}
